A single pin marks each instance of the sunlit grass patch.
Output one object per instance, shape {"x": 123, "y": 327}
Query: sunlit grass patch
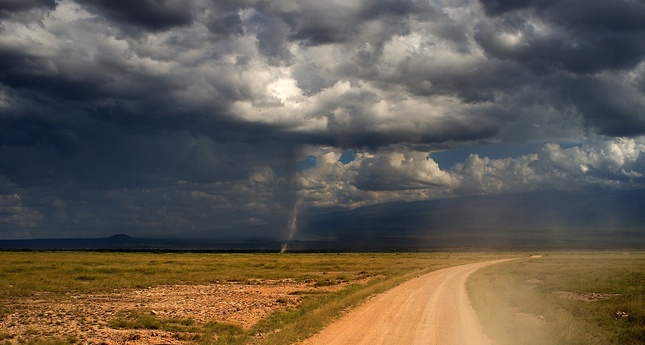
{"x": 135, "y": 320}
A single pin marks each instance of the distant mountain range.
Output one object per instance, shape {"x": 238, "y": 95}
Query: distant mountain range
{"x": 539, "y": 220}
{"x": 122, "y": 242}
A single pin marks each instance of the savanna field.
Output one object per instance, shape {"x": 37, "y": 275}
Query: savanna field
{"x": 190, "y": 298}
{"x": 502, "y": 141}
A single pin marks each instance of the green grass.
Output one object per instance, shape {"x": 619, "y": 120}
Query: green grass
{"x": 56, "y": 275}
{"x": 529, "y": 301}
{"x": 184, "y": 328}
{"x": 136, "y": 320}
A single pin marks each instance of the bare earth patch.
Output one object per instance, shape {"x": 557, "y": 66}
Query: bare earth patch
{"x": 585, "y": 296}
{"x": 526, "y": 317}
{"x": 86, "y": 318}
{"x": 535, "y": 281}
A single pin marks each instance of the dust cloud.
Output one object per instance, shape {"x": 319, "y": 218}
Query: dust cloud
{"x": 293, "y": 223}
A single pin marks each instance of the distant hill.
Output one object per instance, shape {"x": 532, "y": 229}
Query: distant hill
{"x": 120, "y": 238}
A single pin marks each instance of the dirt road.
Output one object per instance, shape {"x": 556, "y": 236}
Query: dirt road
{"x": 430, "y": 309}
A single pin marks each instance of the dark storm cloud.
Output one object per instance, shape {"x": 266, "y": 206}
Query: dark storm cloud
{"x": 23, "y": 5}
{"x": 497, "y": 7}
{"x": 595, "y": 43}
{"x": 271, "y": 35}
{"x": 184, "y": 114}
{"x": 227, "y": 23}
{"x": 542, "y": 38}
{"x": 579, "y": 36}
{"x": 119, "y": 89}
{"x": 608, "y": 105}
{"x": 107, "y": 155}
{"x": 314, "y": 23}
{"x": 594, "y": 15}
{"x": 150, "y": 14}
{"x": 15, "y": 9}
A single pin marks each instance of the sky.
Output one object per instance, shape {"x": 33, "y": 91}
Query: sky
{"x": 158, "y": 117}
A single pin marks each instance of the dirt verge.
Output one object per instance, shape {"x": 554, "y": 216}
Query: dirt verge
{"x": 86, "y": 318}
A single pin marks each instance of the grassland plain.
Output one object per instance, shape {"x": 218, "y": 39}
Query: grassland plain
{"x": 306, "y": 291}
{"x": 563, "y": 298}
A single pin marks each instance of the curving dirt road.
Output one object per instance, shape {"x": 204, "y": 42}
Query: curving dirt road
{"x": 430, "y": 309}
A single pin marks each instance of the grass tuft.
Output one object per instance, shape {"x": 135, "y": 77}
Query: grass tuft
{"x": 135, "y": 320}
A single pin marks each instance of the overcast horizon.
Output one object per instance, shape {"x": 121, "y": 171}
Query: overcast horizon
{"x": 181, "y": 116}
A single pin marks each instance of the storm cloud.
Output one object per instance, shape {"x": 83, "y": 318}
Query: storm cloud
{"x": 163, "y": 116}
